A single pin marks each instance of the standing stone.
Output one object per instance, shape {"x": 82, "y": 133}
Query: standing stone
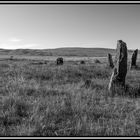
{"x": 120, "y": 69}
{"x": 82, "y": 62}
{"x": 134, "y": 58}
{"x": 59, "y": 61}
{"x": 110, "y": 61}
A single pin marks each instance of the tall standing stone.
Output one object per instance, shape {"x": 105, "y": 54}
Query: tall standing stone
{"x": 120, "y": 69}
{"x": 134, "y": 58}
{"x": 110, "y": 61}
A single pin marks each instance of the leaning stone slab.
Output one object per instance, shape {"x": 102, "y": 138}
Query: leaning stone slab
{"x": 120, "y": 69}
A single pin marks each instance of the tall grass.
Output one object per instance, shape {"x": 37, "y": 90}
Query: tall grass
{"x": 67, "y": 100}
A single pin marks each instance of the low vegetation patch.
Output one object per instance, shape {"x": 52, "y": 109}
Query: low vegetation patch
{"x": 66, "y": 100}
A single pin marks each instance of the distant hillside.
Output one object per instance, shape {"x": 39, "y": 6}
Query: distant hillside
{"x": 85, "y": 52}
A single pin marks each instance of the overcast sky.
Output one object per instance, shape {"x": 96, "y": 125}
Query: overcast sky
{"x": 53, "y": 26}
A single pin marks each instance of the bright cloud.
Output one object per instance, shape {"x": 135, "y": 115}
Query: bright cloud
{"x": 16, "y": 46}
{"x": 29, "y": 46}
{"x": 15, "y": 40}
{"x": 17, "y": 43}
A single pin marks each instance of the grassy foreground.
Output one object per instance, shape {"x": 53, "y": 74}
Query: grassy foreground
{"x": 68, "y": 100}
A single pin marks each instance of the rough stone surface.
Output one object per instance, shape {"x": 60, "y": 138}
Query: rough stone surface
{"x": 59, "y": 61}
{"x": 110, "y": 61}
{"x": 120, "y": 69}
{"x": 134, "y": 58}
{"x": 97, "y": 61}
{"x": 82, "y": 62}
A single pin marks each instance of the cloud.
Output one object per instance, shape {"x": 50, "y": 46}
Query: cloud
{"x": 29, "y": 46}
{"x": 23, "y": 46}
{"x": 15, "y": 39}
{"x": 16, "y": 43}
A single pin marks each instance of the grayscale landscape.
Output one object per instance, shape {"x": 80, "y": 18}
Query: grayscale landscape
{"x": 70, "y": 88}
{"x": 40, "y": 98}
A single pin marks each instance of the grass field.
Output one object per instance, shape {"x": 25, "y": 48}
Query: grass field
{"x": 43, "y": 99}
{"x": 67, "y": 52}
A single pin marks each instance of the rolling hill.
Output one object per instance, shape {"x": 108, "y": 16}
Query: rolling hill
{"x": 79, "y": 52}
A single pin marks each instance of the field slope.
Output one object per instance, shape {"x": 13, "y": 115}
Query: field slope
{"x": 79, "y": 52}
{"x": 43, "y": 99}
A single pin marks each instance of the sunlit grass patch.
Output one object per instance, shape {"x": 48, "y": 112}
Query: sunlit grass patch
{"x": 67, "y": 100}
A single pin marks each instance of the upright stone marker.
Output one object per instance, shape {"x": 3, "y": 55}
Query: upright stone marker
{"x": 120, "y": 69}
{"x": 110, "y": 61}
{"x": 134, "y": 58}
{"x": 59, "y": 61}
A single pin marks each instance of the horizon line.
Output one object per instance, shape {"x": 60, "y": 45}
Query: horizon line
{"x": 62, "y": 48}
